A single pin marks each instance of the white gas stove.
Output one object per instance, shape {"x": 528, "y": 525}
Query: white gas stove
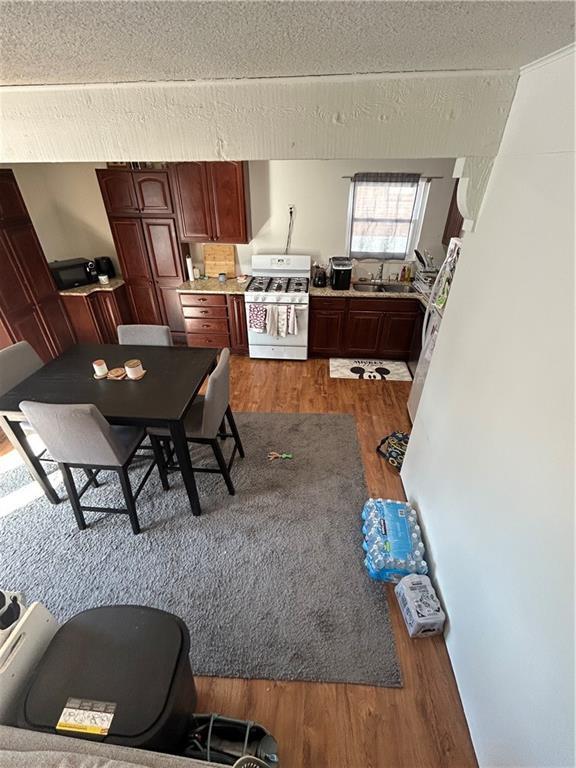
{"x": 277, "y": 306}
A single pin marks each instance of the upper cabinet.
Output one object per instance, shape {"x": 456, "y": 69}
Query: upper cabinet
{"x": 141, "y": 193}
{"x": 190, "y": 182}
{"x": 212, "y": 201}
{"x": 118, "y": 191}
{"x": 454, "y": 220}
{"x": 12, "y": 206}
{"x": 228, "y": 184}
{"x": 153, "y": 193}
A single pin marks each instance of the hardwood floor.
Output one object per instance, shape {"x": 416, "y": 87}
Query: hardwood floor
{"x": 321, "y": 725}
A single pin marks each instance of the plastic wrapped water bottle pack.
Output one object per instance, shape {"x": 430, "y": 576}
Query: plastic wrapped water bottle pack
{"x": 392, "y": 540}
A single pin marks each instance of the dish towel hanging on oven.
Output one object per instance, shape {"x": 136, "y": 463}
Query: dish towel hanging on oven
{"x": 272, "y": 321}
{"x": 292, "y": 321}
{"x": 281, "y": 321}
{"x": 257, "y": 317}
{"x": 287, "y": 323}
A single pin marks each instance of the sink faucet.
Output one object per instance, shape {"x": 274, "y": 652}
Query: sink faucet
{"x": 381, "y": 272}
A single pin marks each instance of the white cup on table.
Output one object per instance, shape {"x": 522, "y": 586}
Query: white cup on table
{"x": 134, "y": 369}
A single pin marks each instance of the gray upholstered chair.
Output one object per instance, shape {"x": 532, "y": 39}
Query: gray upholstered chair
{"x": 17, "y": 363}
{"x": 206, "y": 420}
{"x": 79, "y": 436}
{"x": 150, "y": 335}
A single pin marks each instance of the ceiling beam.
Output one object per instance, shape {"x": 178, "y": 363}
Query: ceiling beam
{"x": 365, "y": 116}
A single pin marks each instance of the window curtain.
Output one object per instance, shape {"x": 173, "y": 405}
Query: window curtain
{"x": 383, "y": 211}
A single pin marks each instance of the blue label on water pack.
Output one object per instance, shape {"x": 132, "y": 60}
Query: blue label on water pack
{"x": 397, "y": 529}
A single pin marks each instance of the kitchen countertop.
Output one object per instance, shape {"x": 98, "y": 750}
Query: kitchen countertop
{"x": 86, "y": 290}
{"x": 314, "y": 291}
{"x": 213, "y": 285}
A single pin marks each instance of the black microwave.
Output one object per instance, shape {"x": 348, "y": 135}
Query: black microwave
{"x": 71, "y": 273}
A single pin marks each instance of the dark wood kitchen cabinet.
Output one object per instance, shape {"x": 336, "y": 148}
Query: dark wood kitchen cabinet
{"x": 153, "y": 193}
{"x": 30, "y": 306}
{"x": 228, "y": 185}
{"x": 356, "y": 327}
{"x": 190, "y": 183}
{"x": 397, "y": 333}
{"x": 212, "y": 201}
{"x": 151, "y": 212}
{"x": 167, "y": 271}
{"x": 127, "y": 192}
{"x": 152, "y": 267}
{"x": 326, "y": 326}
{"x": 131, "y": 249}
{"x": 206, "y": 319}
{"x": 12, "y": 206}
{"x": 215, "y": 320}
{"x": 118, "y": 191}
{"x": 96, "y": 316}
{"x": 362, "y": 332}
{"x": 454, "y": 220}
{"x": 238, "y": 324}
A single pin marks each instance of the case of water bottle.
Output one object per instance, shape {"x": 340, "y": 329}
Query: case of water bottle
{"x": 392, "y": 540}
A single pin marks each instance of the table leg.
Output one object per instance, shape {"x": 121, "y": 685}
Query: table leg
{"x": 15, "y": 434}
{"x": 183, "y": 455}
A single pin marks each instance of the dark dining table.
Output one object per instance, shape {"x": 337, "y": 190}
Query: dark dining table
{"x": 174, "y": 375}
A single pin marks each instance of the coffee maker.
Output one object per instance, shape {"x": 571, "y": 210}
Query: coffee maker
{"x": 105, "y": 266}
{"x": 319, "y": 279}
{"x": 340, "y": 273}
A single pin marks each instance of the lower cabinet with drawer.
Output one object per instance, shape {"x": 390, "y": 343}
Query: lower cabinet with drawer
{"x": 356, "y": 327}
{"x": 215, "y": 320}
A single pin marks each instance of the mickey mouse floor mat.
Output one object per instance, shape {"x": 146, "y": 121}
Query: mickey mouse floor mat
{"x": 369, "y": 370}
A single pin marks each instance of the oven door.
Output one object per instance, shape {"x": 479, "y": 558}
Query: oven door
{"x": 293, "y": 346}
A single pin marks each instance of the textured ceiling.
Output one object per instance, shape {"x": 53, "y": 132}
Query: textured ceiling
{"x": 99, "y": 42}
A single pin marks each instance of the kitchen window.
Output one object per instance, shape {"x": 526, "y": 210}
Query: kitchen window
{"x": 385, "y": 214}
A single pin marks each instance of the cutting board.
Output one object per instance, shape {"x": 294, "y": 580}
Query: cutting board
{"x": 219, "y": 257}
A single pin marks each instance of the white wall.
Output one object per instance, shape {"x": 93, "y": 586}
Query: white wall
{"x": 491, "y": 459}
{"x": 320, "y": 196}
{"x": 65, "y": 204}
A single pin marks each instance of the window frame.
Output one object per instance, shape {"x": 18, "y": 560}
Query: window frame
{"x": 416, "y": 221}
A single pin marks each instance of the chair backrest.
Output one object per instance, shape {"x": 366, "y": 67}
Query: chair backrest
{"x": 17, "y": 363}
{"x": 217, "y": 396}
{"x": 74, "y": 434}
{"x": 150, "y": 335}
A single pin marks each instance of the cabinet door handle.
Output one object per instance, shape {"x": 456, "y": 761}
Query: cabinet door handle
{"x": 206, "y": 325}
{"x": 203, "y": 311}
{"x": 202, "y": 299}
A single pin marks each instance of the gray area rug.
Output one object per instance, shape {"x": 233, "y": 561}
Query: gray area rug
{"x": 270, "y": 581}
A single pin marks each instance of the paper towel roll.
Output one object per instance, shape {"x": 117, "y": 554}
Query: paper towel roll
{"x": 190, "y": 268}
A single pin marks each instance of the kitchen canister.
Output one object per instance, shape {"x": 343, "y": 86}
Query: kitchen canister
{"x": 134, "y": 369}
{"x": 100, "y": 369}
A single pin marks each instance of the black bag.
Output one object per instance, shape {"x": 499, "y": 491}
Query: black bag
{"x": 223, "y": 740}
{"x": 393, "y": 448}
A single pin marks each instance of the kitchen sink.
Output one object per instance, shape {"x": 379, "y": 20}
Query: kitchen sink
{"x": 367, "y": 287}
{"x": 383, "y": 287}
